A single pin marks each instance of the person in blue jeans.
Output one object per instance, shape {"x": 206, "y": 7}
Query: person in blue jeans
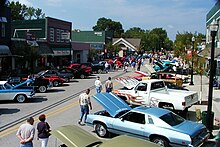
{"x": 98, "y": 85}
{"x": 85, "y": 103}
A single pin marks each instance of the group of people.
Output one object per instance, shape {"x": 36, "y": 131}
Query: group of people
{"x": 84, "y": 99}
{"x": 26, "y": 132}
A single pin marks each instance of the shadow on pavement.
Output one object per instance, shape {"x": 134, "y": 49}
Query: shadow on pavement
{"x": 8, "y": 111}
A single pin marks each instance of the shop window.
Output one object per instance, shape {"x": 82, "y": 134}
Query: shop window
{"x": 58, "y": 35}
{"x": 3, "y": 30}
{"x": 51, "y": 34}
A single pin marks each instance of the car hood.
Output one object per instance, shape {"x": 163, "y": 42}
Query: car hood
{"x": 112, "y": 103}
{"x": 127, "y": 82}
{"x": 189, "y": 127}
{"x": 23, "y": 83}
{"x": 74, "y": 136}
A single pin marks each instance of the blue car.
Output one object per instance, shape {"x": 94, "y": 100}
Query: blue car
{"x": 19, "y": 93}
{"x": 160, "y": 126}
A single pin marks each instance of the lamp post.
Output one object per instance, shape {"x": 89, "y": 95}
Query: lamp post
{"x": 193, "y": 41}
{"x": 213, "y": 29}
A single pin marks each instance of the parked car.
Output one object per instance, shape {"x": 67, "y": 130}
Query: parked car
{"x": 60, "y": 73}
{"x": 74, "y": 136}
{"x": 77, "y": 73}
{"x": 158, "y": 125}
{"x": 16, "y": 93}
{"x": 83, "y": 70}
{"x": 39, "y": 83}
{"x": 56, "y": 80}
{"x": 96, "y": 67}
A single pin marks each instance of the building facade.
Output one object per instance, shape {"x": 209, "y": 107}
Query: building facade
{"x": 213, "y": 14}
{"x": 48, "y": 38}
{"x": 89, "y": 46}
{"x": 5, "y": 31}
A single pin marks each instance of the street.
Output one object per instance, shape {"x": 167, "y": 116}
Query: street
{"x": 60, "y": 104}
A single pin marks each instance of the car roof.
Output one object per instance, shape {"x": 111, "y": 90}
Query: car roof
{"x": 3, "y": 82}
{"x": 155, "y": 111}
{"x": 111, "y": 102}
{"x": 74, "y": 136}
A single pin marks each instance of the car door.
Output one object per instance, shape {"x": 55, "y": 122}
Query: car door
{"x": 6, "y": 92}
{"x": 132, "y": 123}
{"x": 141, "y": 93}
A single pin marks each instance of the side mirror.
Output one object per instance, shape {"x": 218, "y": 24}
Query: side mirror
{"x": 121, "y": 119}
{"x": 135, "y": 91}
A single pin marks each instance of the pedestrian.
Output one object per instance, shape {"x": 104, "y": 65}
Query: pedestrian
{"x": 98, "y": 85}
{"x": 109, "y": 85}
{"x": 106, "y": 67}
{"x": 43, "y": 129}
{"x": 85, "y": 103}
{"x": 26, "y": 133}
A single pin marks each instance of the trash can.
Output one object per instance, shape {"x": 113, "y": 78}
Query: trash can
{"x": 204, "y": 119}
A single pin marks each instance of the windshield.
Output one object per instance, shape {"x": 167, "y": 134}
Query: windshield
{"x": 172, "y": 119}
{"x": 7, "y": 86}
{"x": 121, "y": 113}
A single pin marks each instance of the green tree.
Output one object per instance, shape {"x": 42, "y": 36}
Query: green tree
{"x": 18, "y": 11}
{"x": 104, "y": 24}
{"x": 39, "y": 13}
{"x": 30, "y": 13}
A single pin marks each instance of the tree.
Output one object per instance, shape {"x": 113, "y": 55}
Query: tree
{"x": 22, "y": 12}
{"x": 30, "y": 12}
{"x": 39, "y": 13}
{"x": 104, "y": 24}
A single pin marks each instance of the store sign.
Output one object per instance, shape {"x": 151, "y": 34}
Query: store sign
{"x": 61, "y": 52}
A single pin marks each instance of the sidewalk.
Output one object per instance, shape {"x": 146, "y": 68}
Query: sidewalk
{"x": 203, "y": 90}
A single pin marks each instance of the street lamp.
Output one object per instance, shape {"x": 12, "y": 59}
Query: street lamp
{"x": 213, "y": 28}
{"x": 193, "y": 41}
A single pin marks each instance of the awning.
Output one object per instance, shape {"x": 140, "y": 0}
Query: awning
{"x": 4, "y": 50}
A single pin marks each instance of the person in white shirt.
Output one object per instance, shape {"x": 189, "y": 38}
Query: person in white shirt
{"x": 85, "y": 103}
{"x": 98, "y": 85}
{"x": 26, "y": 133}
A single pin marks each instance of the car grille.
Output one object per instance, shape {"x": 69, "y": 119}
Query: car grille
{"x": 202, "y": 136}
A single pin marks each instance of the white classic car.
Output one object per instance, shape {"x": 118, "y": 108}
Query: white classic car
{"x": 19, "y": 92}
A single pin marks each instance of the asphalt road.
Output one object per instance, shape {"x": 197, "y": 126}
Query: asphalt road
{"x": 60, "y": 104}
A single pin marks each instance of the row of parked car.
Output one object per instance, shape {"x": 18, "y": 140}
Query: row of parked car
{"x": 20, "y": 88}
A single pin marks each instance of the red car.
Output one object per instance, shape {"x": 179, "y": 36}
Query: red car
{"x": 55, "y": 80}
{"x": 81, "y": 67}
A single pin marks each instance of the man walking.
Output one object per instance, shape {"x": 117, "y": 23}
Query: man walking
{"x": 109, "y": 85}
{"x": 85, "y": 103}
{"x": 26, "y": 133}
{"x": 98, "y": 85}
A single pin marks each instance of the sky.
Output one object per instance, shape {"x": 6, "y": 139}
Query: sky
{"x": 172, "y": 15}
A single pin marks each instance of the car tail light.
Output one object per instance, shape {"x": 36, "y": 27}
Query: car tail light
{"x": 183, "y": 103}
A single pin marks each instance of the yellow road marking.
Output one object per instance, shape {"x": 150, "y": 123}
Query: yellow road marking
{"x": 49, "y": 114}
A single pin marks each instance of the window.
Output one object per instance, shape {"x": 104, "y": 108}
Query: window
{"x": 150, "y": 120}
{"x": 135, "y": 117}
{"x": 172, "y": 119}
{"x": 51, "y": 34}
{"x": 3, "y": 30}
{"x": 142, "y": 87}
{"x": 58, "y": 35}
{"x": 61, "y": 32}
{"x": 157, "y": 85}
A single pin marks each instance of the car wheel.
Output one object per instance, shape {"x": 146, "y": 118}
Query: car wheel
{"x": 20, "y": 98}
{"x": 101, "y": 130}
{"x": 55, "y": 83}
{"x": 67, "y": 80}
{"x": 42, "y": 89}
{"x": 160, "y": 141}
{"x": 82, "y": 76}
{"x": 99, "y": 71}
